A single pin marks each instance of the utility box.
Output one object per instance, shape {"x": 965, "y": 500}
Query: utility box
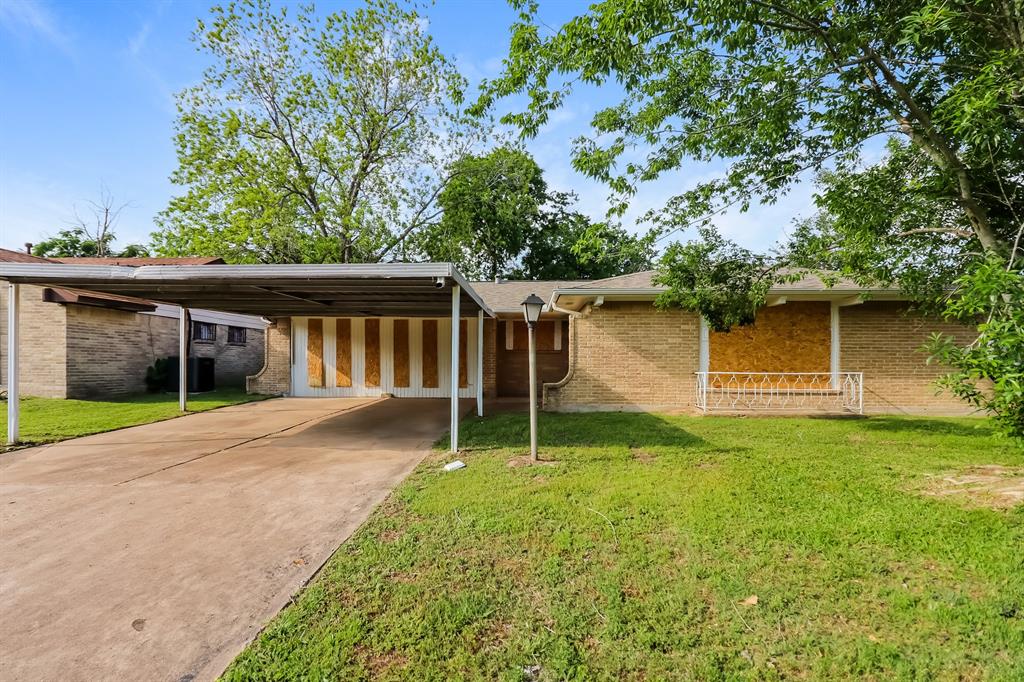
{"x": 201, "y": 374}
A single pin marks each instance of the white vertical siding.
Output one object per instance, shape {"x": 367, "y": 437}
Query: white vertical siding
{"x": 300, "y": 382}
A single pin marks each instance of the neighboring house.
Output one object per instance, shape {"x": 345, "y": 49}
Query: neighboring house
{"x": 80, "y": 344}
{"x": 603, "y": 345}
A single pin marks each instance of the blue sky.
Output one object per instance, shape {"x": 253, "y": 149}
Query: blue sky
{"x": 88, "y": 99}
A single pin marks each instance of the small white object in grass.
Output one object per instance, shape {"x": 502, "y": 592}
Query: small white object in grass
{"x": 452, "y": 466}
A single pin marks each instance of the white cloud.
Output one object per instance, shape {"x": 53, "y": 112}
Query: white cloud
{"x": 21, "y": 16}
{"x": 138, "y": 41}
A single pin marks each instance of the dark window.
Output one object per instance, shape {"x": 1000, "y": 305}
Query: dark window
{"x": 204, "y": 331}
{"x": 236, "y": 335}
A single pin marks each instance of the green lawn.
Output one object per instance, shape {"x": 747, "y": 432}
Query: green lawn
{"x": 638, "y": 556}
{"x": 44, "y": 420}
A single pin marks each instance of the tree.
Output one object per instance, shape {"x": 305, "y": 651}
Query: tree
{"x": 781, "y": 89}
{"x": 313, "y": 140}
{"x": 565, "y": 244}
{"x": 91, "y": 235}
{"x": 490, "y": 206}
{"x": 501, "y": 220}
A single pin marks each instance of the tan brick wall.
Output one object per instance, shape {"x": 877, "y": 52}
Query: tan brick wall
{"x": 882, "y": 340}
{"x": 235, "y": 362}
{"x": 108, "y": 350}
{"x": 629, "y": 356}
{"x": 43, "y": 353}
{"x": 275, "y": 376}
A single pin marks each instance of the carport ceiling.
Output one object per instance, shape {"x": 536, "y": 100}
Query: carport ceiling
{"x": 399, "y": 289}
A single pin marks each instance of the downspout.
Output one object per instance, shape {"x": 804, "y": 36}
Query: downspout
{"x": 573, "y": 315}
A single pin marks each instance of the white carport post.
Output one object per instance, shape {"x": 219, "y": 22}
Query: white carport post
{"x": 456, "y": 295}
{"x": 183, "y": 331}
{"x": 13, "y": 306}
{"x": 480, "y": 363}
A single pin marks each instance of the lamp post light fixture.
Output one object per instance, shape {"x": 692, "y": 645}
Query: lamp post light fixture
{"x": 531, "y": 311}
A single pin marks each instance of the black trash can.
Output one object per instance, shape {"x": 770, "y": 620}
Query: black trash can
{"x": 201, "y": 374}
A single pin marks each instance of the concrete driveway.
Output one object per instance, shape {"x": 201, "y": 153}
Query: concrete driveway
{"x": 157, "y": 552}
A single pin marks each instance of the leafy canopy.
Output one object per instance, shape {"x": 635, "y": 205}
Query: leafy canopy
{"x": 313, "y": 140}
{"x": 501, "y": 220}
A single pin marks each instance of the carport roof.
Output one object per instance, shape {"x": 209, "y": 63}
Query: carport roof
{"x": 379, "y": 289}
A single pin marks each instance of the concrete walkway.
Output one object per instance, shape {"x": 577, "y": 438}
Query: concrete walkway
{"x": 157, "y": 552}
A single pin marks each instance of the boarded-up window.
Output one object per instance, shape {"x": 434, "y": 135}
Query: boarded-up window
{"x": 520, "y": 335}
{"x": 343, "y": 354}
{"x": 372, "y": 345}
{"x": 545, "y": 335}
{"x": 430, "y": 354}
{"x": 793, "y": 337}
{"x": 401, "y": 336}
{"x": 463, "y": 353}
{"x": 315, "y": 352}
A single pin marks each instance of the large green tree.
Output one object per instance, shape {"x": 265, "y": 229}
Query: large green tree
{"x": 311, "y": 138}
{"x": 501, "y": 220}
{"x": 490, "y": 206}
{"x": 782, "y": 89}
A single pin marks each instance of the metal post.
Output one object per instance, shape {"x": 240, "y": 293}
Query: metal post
{"x": 834, "y": 358}
{"x": 13, "y": 411}
{"x": 533, "y": 395}
{"x": 456, "y": 295}
{"x": 183, "y": 331}
{"x": 480, "y": 363}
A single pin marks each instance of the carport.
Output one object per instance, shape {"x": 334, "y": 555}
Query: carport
{"x": 360, "y": 290}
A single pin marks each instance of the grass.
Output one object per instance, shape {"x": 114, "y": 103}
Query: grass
{"x": 44, "y": 420}
{"x": 637, "y": 557}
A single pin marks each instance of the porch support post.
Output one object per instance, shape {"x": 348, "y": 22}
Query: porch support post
{"x": 480, "y": 363}
{"x": 13, "y": 407}
{"x": 183, "y": 358}
{"x": 834, "y": 345}
{"x": 456, "y": 295}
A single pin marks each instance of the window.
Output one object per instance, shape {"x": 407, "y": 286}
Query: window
{"x": 204, "y": 331}
{"x": 236, "y": 335}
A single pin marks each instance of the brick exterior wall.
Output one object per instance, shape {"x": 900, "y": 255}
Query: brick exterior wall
{"x": 629, "y": 356}
{"x": 235, "y": 362}
{"x": 882, "y": 340}
{"x": 108, "y": 351}
{"x": 275, "y": 376}
{"x": 43, "y": 356}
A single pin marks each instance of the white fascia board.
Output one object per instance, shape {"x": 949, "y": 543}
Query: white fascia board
{"x": 212, "y": 316}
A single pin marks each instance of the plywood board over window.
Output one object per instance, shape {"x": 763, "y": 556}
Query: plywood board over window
{"x": 794, "y": 337}
{"x": 401, "y": 353}
{"x": 343, "y": 354}
{"x": 315, "y": 352}
{"x": 430, "y": 379}
{"x": 372, "y": 345}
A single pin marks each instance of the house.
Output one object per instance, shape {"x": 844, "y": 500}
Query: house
{"x": 82, "y": 344}
{"x": 603, "y": 345}
{"x": 372, "y": 329}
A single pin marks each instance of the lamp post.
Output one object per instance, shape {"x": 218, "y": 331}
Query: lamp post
{"x": 531, "y": 311}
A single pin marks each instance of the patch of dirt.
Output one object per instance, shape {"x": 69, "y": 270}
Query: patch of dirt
{"x": 379, "y": 663}
{"x": 643, "y": 456}
{"x": 390, "y": 535}
{"x": 524, "y": 461}
{"x": 990, "y": 485}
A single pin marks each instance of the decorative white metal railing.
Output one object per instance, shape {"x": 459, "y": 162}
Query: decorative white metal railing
{"x": 782, "y": 391}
